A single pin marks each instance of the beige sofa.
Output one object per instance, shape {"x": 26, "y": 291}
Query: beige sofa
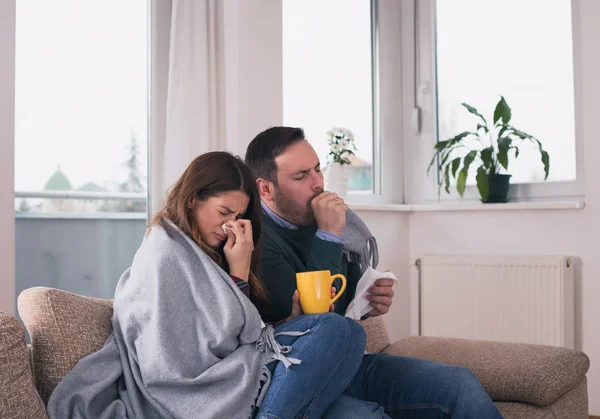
{"x": 525, "y": 381}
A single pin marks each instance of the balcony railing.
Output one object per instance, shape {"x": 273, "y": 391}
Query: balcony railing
{"x": 83, "y": 196}
{"x": 112, "y": 196}
{"x": 84, "y": 252}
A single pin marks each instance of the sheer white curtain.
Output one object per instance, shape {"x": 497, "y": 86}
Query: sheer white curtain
{"x": 216, "y": 81}
{"x": 188, "y": 109}
{"x": 195, "y": 112}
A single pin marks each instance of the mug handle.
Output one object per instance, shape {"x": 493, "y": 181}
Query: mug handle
{"x": 339, "y": 294}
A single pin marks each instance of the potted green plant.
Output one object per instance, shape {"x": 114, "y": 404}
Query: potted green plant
{"x": 490, "y": 149}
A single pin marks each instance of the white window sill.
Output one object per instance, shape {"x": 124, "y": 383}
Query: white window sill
{"x": 474, "y": 206}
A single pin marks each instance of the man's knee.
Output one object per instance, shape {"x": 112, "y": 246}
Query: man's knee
{"x": 463, "y": 373}
{"x": 464, "y": 377}
{"x": 358, "y": 331}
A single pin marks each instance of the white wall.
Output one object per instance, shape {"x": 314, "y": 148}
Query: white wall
{"x": 261, "y": 77}
{"x": 558, "y": 232}
{"x": 7, "y": 131}
{"x": 391, "y": 230}
{"x": 253, "y": 69}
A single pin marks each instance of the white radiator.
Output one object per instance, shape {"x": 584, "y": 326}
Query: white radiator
{"x": 510, "y": 299}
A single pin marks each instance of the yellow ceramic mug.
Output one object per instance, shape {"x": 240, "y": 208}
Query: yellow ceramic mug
{"x": 315, "y": 290}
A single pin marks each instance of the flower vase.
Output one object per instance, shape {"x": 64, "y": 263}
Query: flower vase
{"x": 336, "y": 179}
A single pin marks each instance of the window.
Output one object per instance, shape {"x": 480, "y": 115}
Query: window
{"x": 328, "y": 77}
{"x": 472, "y": 51}
{"x": 529, "y": 62}
{"x": 80, "y": 142}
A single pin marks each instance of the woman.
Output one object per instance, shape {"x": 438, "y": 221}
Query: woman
{"x": 187, "y": 341}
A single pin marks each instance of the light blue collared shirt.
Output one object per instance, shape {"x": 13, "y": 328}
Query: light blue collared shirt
{"x": 323, "y": 235}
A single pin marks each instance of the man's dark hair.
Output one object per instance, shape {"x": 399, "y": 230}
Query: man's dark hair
{"x": 266, "y": 146}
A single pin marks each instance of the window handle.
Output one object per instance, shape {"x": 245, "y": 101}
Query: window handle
{"x": 416, "y": 120}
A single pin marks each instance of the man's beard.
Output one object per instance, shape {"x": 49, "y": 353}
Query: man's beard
{"x": 292, "y": 211}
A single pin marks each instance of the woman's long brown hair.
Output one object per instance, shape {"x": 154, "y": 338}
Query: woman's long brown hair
{"x": 209, "y": 175}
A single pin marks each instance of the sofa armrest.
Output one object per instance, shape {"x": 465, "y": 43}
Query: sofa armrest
{"x": 508, "y": 371}
{"x": 18, "y": 396}
{"x": 64, "y": 327}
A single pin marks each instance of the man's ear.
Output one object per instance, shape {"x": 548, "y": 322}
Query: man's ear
{"x": 265, "y": 189}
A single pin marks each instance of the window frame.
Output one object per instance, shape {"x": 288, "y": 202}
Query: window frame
{"x": 7, "y": 161}
{"x": 375, "y": 193}
{"x": 388, "y": 176}
{"x": 426, "y": 103}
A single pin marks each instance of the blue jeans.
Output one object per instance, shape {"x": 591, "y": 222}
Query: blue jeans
{"x": 416, "y": 388}
{"x": 331, "y": 354}
{"x": 346, "y": 407}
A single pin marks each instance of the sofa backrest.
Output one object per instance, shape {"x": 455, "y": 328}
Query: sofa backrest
{"x": 64, "y": 328}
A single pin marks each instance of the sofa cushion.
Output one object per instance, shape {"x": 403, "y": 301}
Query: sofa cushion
{"x": 64, "y": 328}
{"x": 18, "y": 396}
{"x": 519, "y": 372}
{"x": 377, "y": 334}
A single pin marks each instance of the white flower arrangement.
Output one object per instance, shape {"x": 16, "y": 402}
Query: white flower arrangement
{"x": 341, "y": 145}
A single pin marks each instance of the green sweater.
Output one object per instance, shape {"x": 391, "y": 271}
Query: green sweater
{"x": 287, "y": 251}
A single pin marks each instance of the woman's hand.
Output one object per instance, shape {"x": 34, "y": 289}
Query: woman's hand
{"x": 238, "y": 248}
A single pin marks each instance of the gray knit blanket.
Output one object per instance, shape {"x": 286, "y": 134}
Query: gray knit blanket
{"x": 187, "y": 343}
{"x": 360, "y": 245}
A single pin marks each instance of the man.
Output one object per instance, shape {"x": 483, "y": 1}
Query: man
{"x": 306, "y": 228}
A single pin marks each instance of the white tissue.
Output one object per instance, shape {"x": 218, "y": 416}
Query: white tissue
{"x": 360, "y": 306}
{"x": 225, "y": 227}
